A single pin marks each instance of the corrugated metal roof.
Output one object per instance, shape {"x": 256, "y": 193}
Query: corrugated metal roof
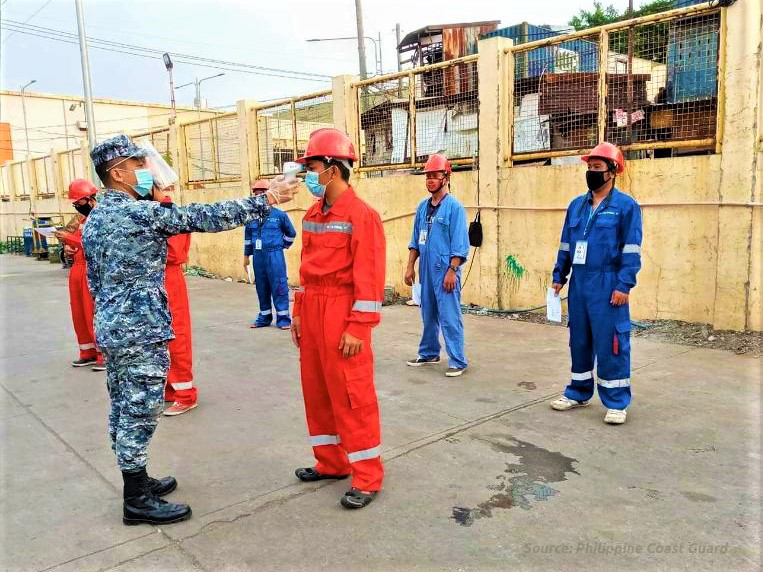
{"x": 413, "y": 37}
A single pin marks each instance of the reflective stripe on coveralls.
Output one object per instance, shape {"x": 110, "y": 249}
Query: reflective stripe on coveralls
{"x": 342, "y": 288}
{"x": 600, "y": 331}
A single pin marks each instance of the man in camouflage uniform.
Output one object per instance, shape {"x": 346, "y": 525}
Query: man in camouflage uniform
{"x": 125, "y": 242}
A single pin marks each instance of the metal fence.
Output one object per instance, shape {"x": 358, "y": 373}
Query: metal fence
{"x": 71, "y": 166}
{"x": 648, "y": 83}
{"x": 160, "y": 139}
{"x": 438, "y": 103}
{"x": 213, "y": 149}
{"x": 45, "y": 178}
{"x": 284, "y": 127}
{"x": 20, "y": 179}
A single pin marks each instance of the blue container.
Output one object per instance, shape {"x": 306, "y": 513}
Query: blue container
{"x": 693, "y": 60}
{"x": 28, "y": 241}
{"x": 581, "y": 55}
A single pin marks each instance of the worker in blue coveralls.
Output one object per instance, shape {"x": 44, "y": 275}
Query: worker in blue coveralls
{"x": 440, "y": 241}
{"x": 265, "y": 240}
{"x": 125, "y": 243}
{"x": 601, "y": 244}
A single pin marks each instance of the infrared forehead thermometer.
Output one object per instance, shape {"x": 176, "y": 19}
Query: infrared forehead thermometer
{"x": 291, "y": 168}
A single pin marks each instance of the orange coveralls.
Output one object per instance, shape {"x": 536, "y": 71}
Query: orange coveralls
{"x": 342, "y": 288}
{"x": 80, "y": 300}
{"x": 179, "y": 386}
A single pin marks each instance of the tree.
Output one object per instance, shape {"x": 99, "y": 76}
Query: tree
{"x": 650, "y": 40}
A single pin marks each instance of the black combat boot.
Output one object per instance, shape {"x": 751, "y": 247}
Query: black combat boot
{"x": 142, "y": 505}
{"x": 163, "y": 486}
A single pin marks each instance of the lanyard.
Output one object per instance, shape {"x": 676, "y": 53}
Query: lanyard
{"x": 594, "y": 213}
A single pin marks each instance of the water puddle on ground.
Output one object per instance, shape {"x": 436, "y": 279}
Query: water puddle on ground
{"x": 522, "y": 483}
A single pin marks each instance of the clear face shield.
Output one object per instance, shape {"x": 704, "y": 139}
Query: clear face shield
{"x": 164, "y": 175}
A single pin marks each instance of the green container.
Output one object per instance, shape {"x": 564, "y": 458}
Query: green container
{"x": 54, "y": 254}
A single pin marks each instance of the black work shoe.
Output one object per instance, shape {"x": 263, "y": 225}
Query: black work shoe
{"x": 161, "y": 487}
{"x": 150, "y": 509}
{"x": 99, "y": 367}
{"x": 355, "y": 498}
{"x": 419, "y": 361}
{"x": 455, "y": 371}
{"x": 309, "y": 474}
{"x": 84, "y": 362}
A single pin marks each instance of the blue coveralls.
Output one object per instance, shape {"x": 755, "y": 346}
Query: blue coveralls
{"x": 265, "y": 240}
{"x": 599, "y": 331}
{"x": 438, "y": 241}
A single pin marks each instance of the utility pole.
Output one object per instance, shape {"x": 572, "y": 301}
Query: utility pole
{"x": 23, "y": 109}
{"x": 168, "y": 65}
{"x": 361, "y": 34}
{"x": 86, "y": 76}
{"x": 629, "y": 128}
{"x": 397, "y": 45}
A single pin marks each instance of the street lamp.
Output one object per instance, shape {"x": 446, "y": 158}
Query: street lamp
{"x": 197, "y": 103}
{"x": 23, "y": 108}
{"x": 197, "y": 82}
{"x": 377, "y": 48}
{"x": 168, "y": 65}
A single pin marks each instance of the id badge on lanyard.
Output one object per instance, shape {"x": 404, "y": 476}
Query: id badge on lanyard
{"x": 258, "y": 244}
{"x": 423, "y": 236}
{"x": 581, "y": 249}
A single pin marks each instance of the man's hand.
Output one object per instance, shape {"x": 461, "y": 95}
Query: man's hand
{"x": 69, "y": 250}
{"x": 410, "y": 276}
{"x": 349, "y": 345}
{"x": 246, "y": 261}
{"x": 618, "y": 298}
{"x": 58, "y": 234}
{"x": 557, "y": 288}
{"x": 282, "y": 190}
{"x": 296, "y": 329}
{"x": 449, "y": 284}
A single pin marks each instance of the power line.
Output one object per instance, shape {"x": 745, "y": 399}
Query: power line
{"x": 61, "y": 35}
{"x": 40, "y": 9}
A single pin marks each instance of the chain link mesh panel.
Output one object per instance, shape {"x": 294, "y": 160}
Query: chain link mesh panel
{"x": 213, "y": 149}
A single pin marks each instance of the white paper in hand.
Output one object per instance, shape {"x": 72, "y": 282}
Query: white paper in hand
{"x": 417, "y": 294}
{"x": 553, "y": 306}
{"x": 250, "y": 274}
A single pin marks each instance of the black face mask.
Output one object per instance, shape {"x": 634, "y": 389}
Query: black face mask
{"x": 84, "y": 210}
{"x": 595, "y": 179}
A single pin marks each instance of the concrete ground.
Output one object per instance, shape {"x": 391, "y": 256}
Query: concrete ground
{"x": 481, "y": 473}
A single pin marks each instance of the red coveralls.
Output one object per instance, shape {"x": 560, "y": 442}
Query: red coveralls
{"x": 342, "y": 288}
{"x": 179, "y": 386}
{"x": 80, "y": 300}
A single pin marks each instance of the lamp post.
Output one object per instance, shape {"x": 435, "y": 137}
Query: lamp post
{"x": 23, "y": 109}
{"x": 85, "y": 60}
{"x": 197, "y": 103}
{"x": 168, "y": 65}
{"x": 377, "y": 50}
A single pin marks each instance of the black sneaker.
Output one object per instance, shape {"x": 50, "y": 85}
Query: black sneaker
{"x": 419, "y": 361}
{"x": 84, "y": 362}
{"x": 99, "y": 367}
{"x": 455, "y": 371}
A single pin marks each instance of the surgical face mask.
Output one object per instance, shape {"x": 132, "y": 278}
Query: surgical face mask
{"x": 144, "y": 182}
{"x": 84, "y": 210}
{"x": 312, "y": 184}
{"x": 595, "y": 179}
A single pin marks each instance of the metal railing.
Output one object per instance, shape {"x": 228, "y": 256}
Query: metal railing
{"x": 70, "y": 167}
{"x": 649, "y": 83}
{"x": 284, "y": 127}
{"x": 439, "y": 103}
{"x": 213, "y": 149}
{"x": 45, "y": 179}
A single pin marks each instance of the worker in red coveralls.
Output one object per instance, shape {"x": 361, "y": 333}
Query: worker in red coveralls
{"x": 82, "y": 194}
{"x": 339, "y": 302}
{"x": 179, "y": 389}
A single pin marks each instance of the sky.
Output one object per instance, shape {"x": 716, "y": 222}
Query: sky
{"x": 263, "y": 33}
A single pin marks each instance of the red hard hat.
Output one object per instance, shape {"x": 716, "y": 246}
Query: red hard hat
{"x": 437, "y": 162}
{"x": 609, "y": 152}
{"x": 331, "y": 143}
{"x": 261, "y": 184}
{"x": 81, "y": 189}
